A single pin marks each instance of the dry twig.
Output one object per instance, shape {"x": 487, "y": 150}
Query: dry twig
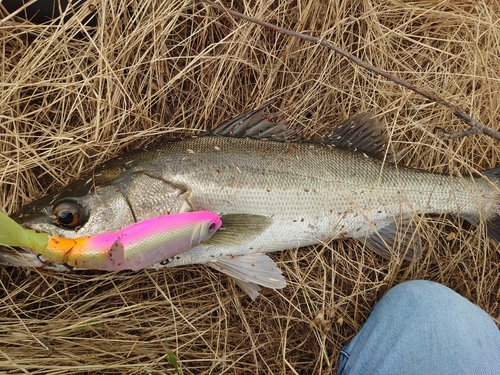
{"x": 476, "y": 127}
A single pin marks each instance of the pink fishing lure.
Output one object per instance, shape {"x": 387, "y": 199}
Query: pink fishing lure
{"x": 137, "y": 246}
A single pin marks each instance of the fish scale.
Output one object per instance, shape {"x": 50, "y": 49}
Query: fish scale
{"x": 313, "y": 192}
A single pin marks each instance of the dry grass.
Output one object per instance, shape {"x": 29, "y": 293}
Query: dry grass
{"x": 72, "y": 96}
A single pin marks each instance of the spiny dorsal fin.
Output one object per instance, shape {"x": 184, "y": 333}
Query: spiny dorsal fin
{"x": 255, "y": 123}
{"x": 362, "y": 132}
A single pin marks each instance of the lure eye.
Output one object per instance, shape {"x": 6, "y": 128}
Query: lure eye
{"x": 69, "y": 215}
{"x": 212, "y": 227}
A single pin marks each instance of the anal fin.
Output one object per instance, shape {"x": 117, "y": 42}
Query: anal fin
{"x": 399, "y": 238}
{"x": 249, "y": 288}
{"x": 251, "y": 270}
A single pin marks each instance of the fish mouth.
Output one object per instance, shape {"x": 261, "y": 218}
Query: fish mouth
{"x": 21, "y": 257}
{"x": 17, "y": 257}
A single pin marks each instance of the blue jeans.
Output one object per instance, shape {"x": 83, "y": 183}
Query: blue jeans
{"x": 421, "y": 327}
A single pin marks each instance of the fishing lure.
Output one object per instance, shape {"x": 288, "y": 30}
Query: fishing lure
{"x": 135, "y": 247}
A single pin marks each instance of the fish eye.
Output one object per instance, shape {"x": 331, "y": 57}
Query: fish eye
{"x": 69, "y": 215}
{"x": 212, "y": 227}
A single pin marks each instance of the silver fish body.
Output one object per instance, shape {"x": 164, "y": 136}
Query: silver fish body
{"x": 273, "y": 195}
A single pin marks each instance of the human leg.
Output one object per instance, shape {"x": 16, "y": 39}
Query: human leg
{"x": 421, "y": 327}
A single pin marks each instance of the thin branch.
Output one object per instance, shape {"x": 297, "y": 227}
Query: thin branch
{"x": 476, "y": 127}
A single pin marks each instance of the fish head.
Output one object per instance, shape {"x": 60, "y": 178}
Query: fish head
{"x": 106, "y": 201}
{"x": 70, "y": 214}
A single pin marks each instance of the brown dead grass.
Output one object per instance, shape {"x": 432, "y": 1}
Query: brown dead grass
{"x": 72, "y": 96}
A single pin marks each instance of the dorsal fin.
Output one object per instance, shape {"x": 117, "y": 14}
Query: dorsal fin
{"x": 255, "y": 123}
{"x": 362, "y": 132}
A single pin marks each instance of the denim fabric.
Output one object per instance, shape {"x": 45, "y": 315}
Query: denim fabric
{"x": 421, "y": 327}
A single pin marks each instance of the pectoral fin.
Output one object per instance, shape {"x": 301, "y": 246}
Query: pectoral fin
{"x": 239, "y": 228}
{"x": 252, "y": 270}
{"x": 396, "y": 238}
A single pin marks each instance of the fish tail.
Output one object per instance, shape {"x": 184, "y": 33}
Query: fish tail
{"x": 493, "y": 218}
{"x": 492, "y": 215}
{"x": 12, "y": 234}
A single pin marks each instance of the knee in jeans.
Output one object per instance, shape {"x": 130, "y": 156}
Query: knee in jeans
{"x": 417, "y": 289}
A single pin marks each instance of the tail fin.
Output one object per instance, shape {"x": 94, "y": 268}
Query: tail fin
{"x": 493, "y": 220}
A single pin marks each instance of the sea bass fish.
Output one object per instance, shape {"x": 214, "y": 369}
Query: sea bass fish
{"x": 274, "y": 192}
{"x": 135, "y": 247}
